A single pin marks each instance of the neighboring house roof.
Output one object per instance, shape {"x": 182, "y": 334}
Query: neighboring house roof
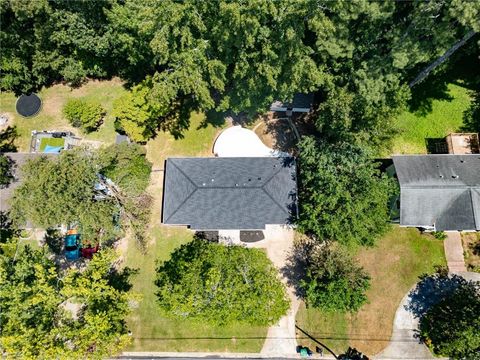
{"x": 229, "y": 193}
{"x": 299, "y": 103}
{"x": 19, "y": 159}
{"x": 440, "y": 191}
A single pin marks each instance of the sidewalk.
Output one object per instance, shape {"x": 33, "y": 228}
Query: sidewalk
{"x": 454, "y": 252}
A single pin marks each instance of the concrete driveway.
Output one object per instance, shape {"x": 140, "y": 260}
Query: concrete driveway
{"x": 281, "y": 337}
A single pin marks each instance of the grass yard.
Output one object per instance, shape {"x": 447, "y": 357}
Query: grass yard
{"x": 50, "y": 116}
{"x": 395, "y": 264}
{"x": 445, "y": 117}
{"x": 44, "y": 142}
{"x": 197, "y": 141}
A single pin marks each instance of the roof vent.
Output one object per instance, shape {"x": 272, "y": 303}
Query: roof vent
{"x": 441, "y": 176}
{"x": 259, "y": 178}
{"x": 204, "y": 184}
{"x": 462, "y": 161}
{"x": 213, "y": 180}
{"x": 236, "y": 184}
{"x": 455, "y": 176}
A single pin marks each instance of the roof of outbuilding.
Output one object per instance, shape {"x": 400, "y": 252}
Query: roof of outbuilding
{"x": 299, "y": 100}
{"x": 439, "y": 190}
{"x": 229, "y": 193}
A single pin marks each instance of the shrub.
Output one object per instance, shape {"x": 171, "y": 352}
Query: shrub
{"x": 439, "y": 235}
{"x": 84, "y": 114}
{"x": 333, "y": 281}
{"x": 221, "y": 285}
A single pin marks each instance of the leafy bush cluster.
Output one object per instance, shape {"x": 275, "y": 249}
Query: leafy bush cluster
{"x": 85, "y": 114}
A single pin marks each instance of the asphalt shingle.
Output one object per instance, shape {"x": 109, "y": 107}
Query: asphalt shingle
{"x": 439, "y": 190}
{"x": 229, "y": 193}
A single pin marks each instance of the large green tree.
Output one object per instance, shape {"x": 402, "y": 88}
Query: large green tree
{"x": 220, "y": 285}
{"x": 47, "y": 313}
{"x": 66, "y": 189}
{"x": 61, "y": 190}
{"x": 236, "y": 55}
{"x": 342, "y": 195}
{"x": 451, "y": 327}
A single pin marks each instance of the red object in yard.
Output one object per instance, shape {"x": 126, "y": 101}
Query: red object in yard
{"x": 87, "y": 252}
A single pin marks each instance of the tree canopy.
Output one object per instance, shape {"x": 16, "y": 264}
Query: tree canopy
{"x": 223, "y": 55}
{"x": 6, "y": 175}
{"x": 333, "y": 281}
{"x": 451, "y": 326}
{"x": 84, "y": 114}
{"x": 220, "y": 284}
{"x": 342, "y": 194}
{"x": 48, "y": 313}
{"x": 68, "y": 189}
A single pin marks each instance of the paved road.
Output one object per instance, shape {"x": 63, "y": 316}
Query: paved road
{"x": 193, "y": 358}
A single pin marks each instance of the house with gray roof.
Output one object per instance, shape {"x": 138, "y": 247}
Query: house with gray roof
{"x": 439, "y": 192}
{"x": 231, "y": 193}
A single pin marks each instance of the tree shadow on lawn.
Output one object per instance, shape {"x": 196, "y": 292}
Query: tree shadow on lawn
{"x": 460, "y": 70}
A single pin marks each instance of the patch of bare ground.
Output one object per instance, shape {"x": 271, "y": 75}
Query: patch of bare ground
{"x": 471, "y": 250}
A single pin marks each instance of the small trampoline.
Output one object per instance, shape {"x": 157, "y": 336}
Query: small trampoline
{"x": 28, "y": 105}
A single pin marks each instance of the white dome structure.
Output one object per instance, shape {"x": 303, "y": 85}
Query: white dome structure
{"x": 240, "y": 142}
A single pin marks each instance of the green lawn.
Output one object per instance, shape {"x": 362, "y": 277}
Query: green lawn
{"x": 395, "y": 264}
{"x": 50, "y": 116}
{"x": 197, "y": 141}
{"x": 445, "y": 117}
{"x": 44, "y": 142}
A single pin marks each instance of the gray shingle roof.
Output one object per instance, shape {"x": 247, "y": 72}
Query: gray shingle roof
{"x": 299, "y": 101}
{"x": 439, "y": 190}
{"x": 229, "y": 193}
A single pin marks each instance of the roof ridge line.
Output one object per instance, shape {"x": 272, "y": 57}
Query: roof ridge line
{"x": 183, "y": 202}
{"x": 183, "y": 173}
{"x": 179, "y": 206}
{"x": 476, "y": 213}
